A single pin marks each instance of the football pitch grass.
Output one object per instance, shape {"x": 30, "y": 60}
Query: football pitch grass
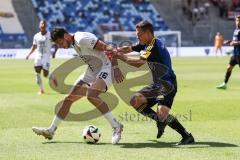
{"x": 211, "y": 115}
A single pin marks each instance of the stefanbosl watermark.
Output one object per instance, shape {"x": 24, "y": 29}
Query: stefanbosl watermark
{"x": 137, "y": 117}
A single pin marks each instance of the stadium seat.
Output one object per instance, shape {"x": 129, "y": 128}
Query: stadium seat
{"x": 93, "y": 15}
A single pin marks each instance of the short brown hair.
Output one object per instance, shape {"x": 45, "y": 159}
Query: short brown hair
{"x": 145, "y": 25}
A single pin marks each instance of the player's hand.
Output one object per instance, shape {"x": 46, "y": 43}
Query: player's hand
{"x": 118, "y": 75}
{"x": 117, "y": 55}
{"x": 119, "y": 49}
{"x": 227, "y": 42}
{"x": 110, "y": 53}
{"x": 27, "y": 57}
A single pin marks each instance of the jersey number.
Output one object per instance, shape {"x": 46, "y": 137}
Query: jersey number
{"x": 103, "y": 75}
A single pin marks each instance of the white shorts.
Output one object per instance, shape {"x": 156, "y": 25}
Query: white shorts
{"x": 44, "y": 62}
{"x": 105, "y": 74}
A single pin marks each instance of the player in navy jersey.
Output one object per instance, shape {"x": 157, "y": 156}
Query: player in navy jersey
{"x": 164, "y": 86}
{"x": 235, "y": 59}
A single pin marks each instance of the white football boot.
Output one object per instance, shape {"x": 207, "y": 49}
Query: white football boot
{"x": 45, "y": 132}
{"x": 117, "y": 131}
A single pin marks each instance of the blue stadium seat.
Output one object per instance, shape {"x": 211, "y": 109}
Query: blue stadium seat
{"x": 91, "y": 15}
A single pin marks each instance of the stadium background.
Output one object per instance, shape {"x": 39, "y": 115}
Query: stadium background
{"x": 198, "y": 23}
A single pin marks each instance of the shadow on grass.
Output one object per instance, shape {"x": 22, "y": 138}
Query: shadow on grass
{"x": 68, "y": 142}
{"x": 157, "y": 144}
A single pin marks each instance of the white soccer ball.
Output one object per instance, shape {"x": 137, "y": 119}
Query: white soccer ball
{"x": 91, "y": 134}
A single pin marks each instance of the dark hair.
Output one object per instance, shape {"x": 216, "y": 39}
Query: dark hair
{"x": 57, "y": 33}
{"x": 145, "y": 25}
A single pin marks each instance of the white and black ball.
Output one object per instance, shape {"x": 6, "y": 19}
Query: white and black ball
{"x": 91, "y": 134}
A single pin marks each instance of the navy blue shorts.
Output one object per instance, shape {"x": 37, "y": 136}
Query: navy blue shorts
{"x": 158, "y": 94}
{"x": 234, "y": 60}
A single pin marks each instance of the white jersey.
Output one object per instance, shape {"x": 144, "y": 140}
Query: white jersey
{"x": 43, "y": 42}
{"x": 84, "y": 44}
{"x": 99, "y": 65}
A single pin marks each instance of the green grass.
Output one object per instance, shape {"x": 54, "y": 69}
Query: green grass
{"x": 211, "y": 115}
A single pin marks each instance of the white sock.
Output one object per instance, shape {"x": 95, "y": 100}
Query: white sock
{"x": 111, "y": 119}
{"x": 56, "y": 121}
{"x": 39, "y": 81}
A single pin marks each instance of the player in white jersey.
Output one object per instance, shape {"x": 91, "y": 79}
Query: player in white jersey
{"x": 42, "y": 47}
{"x": 96, "y": 79}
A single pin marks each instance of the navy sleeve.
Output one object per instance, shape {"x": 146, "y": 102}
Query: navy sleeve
{"x": 138, "y": 47}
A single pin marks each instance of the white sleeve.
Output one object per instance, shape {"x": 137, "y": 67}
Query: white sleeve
{"x": 34, "y": 40}
{"x": 88, "y": 40}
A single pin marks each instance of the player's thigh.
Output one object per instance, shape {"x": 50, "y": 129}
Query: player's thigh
{"x": 165, "y": 102}
{"x": 97, "y": 87}
{"x": 151, "y": 91}
{"x": 233, "y": 61}
{"x": 78, "y": 90}
{"x": 46, "y": 64}
{"x": 168, "y": 99}
{"x": 106, "y": 74}
{"x": 102, "y": 80}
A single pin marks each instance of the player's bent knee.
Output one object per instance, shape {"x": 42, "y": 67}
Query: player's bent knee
{"x": 163, "y": 112}
{"x": 137, "y": 101}
{"x": 91, "y": 96}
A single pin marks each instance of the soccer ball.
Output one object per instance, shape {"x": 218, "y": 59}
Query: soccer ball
{"x": 91, "y": 134}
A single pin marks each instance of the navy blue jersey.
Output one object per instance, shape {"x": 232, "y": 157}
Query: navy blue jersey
{"x": 159, "y": 61}
{"x": 236, "y": 37}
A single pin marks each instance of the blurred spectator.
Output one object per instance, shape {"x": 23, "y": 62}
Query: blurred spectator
{"x": 195, "y": 10}
{"x": 218, "y": 42}
{"x": 206, "y": 6}
{"x": 223, "y": 8}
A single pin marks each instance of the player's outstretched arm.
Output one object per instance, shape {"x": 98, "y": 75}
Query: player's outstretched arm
{"x": 227, "y": 42}
{"x": 110, "y": 51}
{"x": 105, "y": 49}
{"x": 234, "y": 43}
{"x": 32, "y": 50}
{"x": 116, "y": 71}
{"x": 136, "y": 62}
{"x": 125, "y": 49}
{"x": 231, "y": 42}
